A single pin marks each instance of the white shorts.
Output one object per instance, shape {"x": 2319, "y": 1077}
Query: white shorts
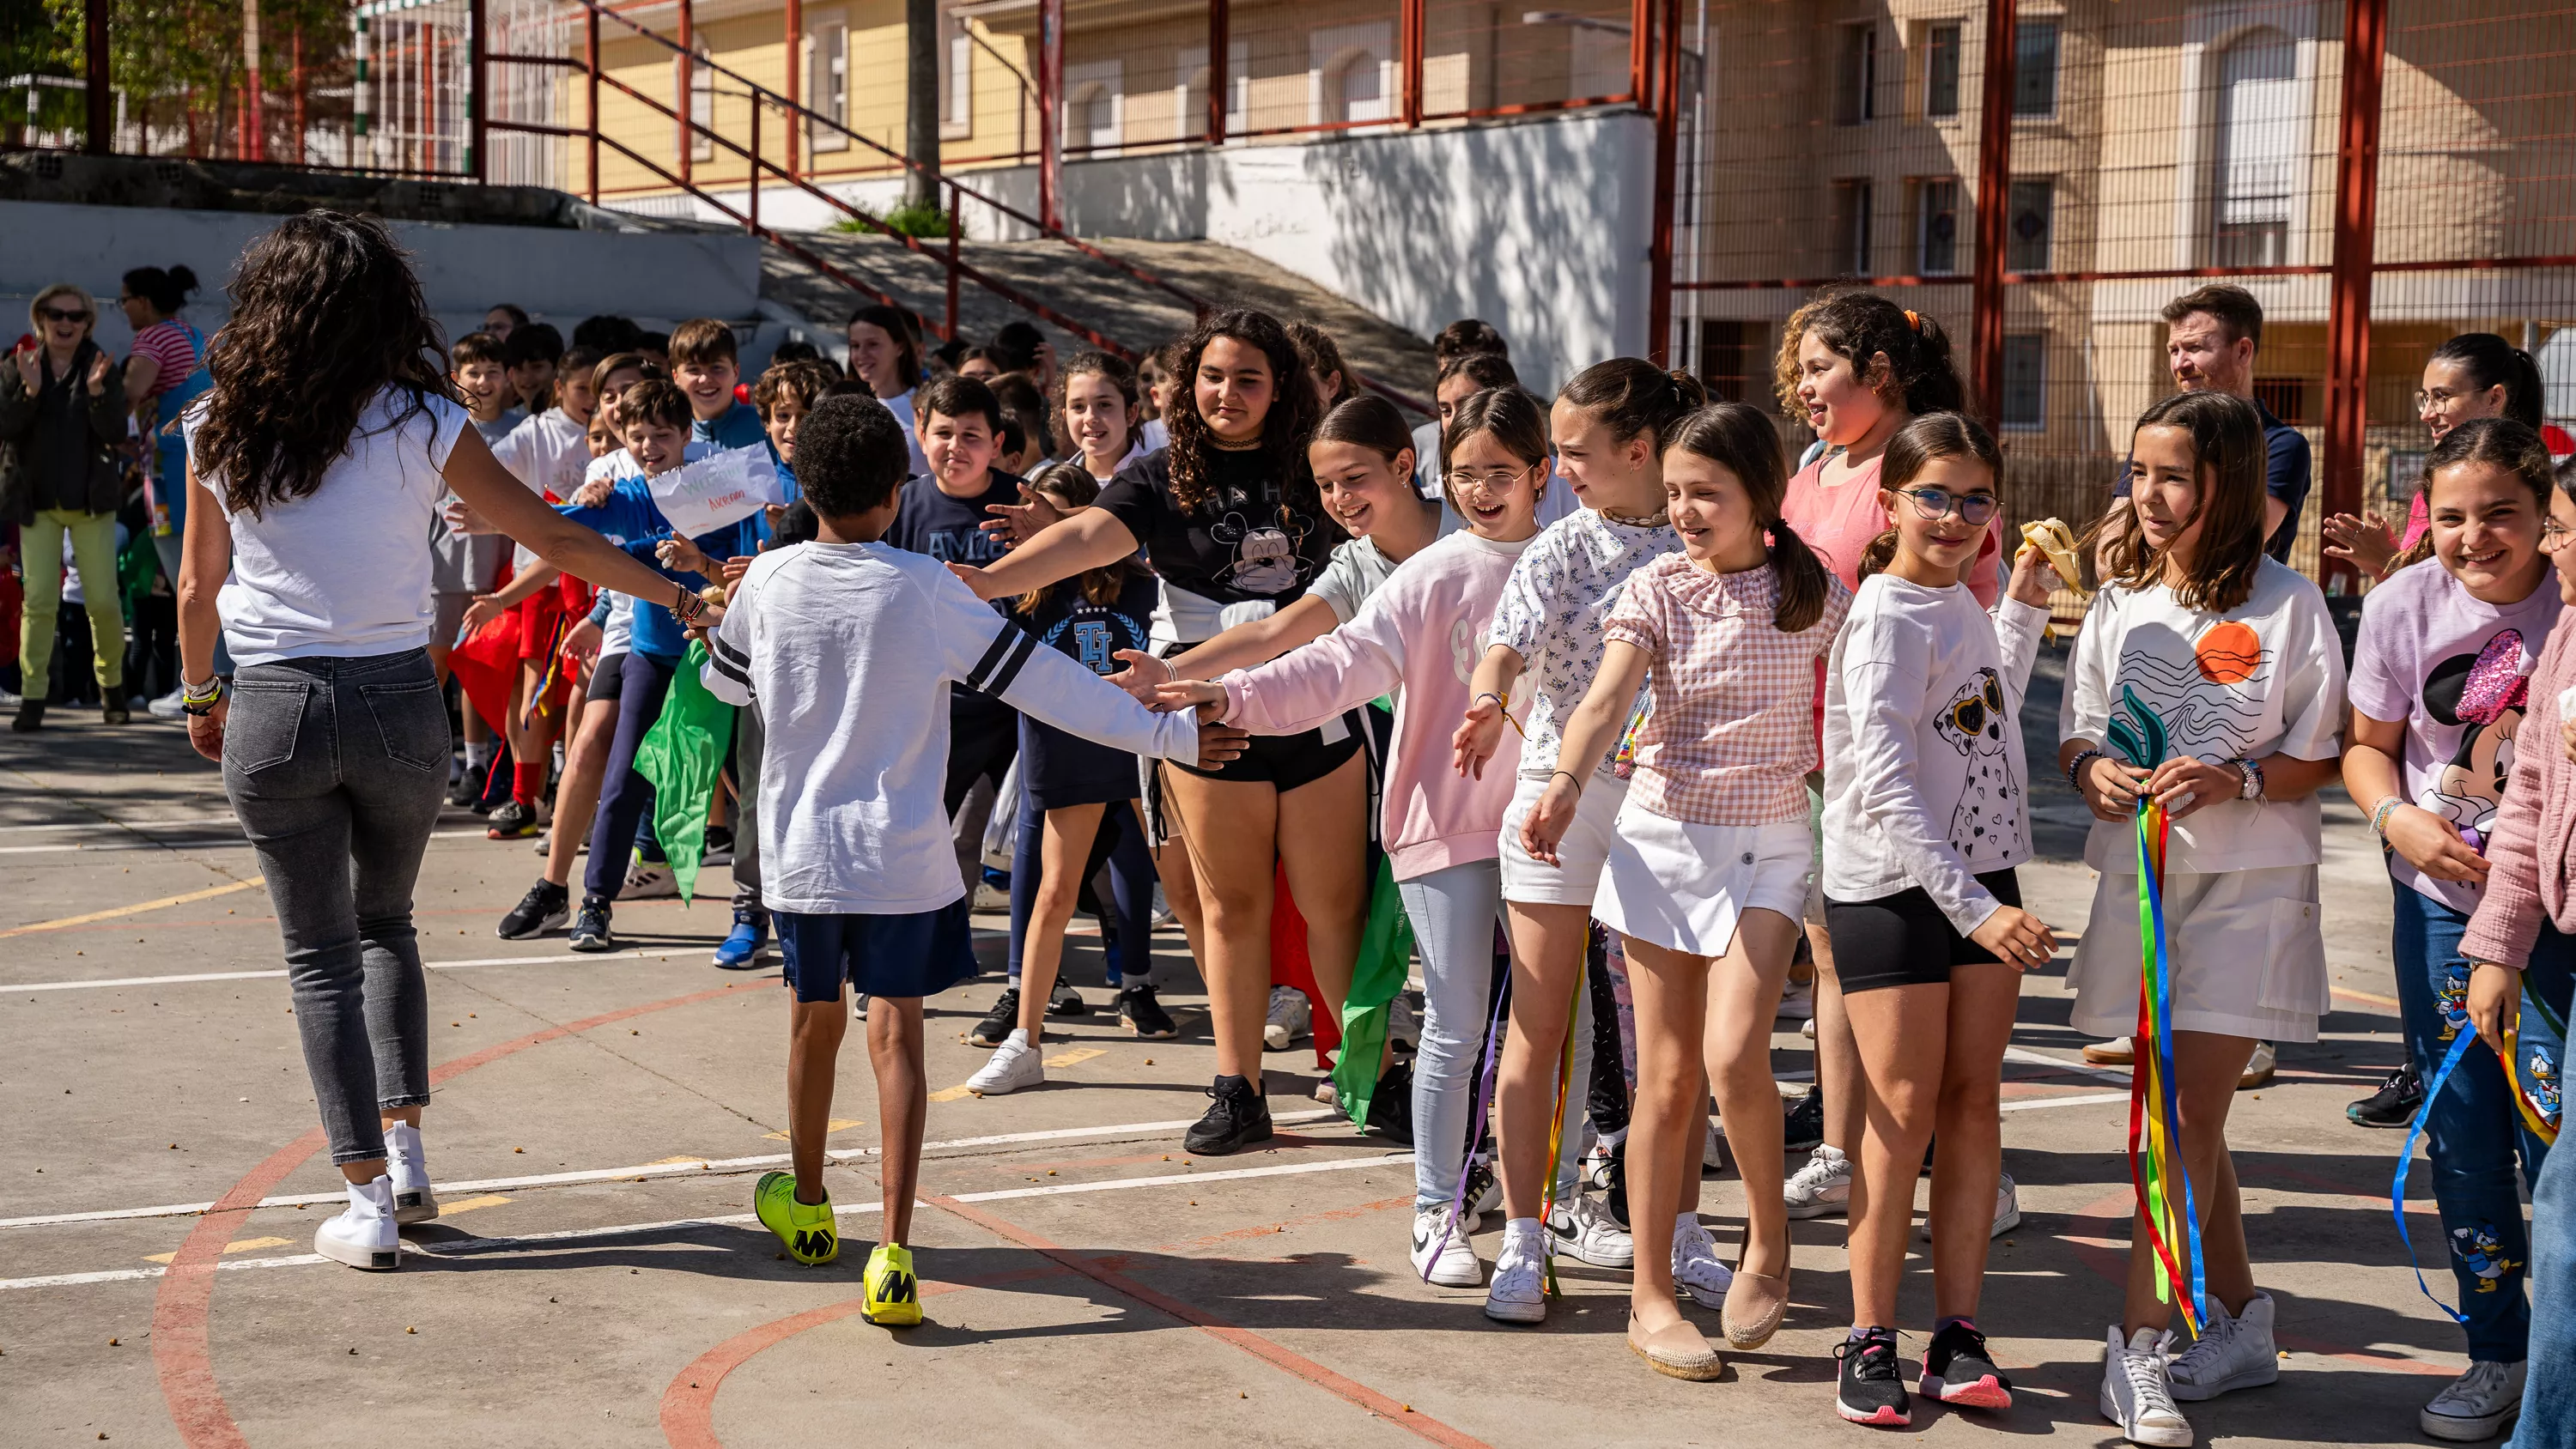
{"x": 1682, "y": 886}
{"x": 2248, "y": 955}
{"x": 1534, "y": 882}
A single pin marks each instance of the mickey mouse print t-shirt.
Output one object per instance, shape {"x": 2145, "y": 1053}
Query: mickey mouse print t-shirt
{"x": 1244, "y": 545}
{"x": 2153, "y": 681}
{"x": 2453, "y": 669}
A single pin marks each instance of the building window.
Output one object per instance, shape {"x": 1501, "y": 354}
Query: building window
{"x": 2026, "y": 381}
{"x": 956, "y": 78}
{"x": 2258, "y": 149}
{"x": 1941, "y": 74}
{"x": 2027, "y": 222}
{"x": 1731, "y": 363}
{"x": 1351, "y": 79}
{"x": 1937, "y": 241}
{"x": 2287, "y": 397}
{"x": 1856, "y": 76}
{"x": 1194, "y": 84}
{"x": 1851, "y": 227}
{"x": 1094, "y": 112}
{"x": 827, "y": 86}
{"x": 2035, "y": 68}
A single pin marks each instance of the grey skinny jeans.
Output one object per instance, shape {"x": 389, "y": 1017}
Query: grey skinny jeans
{"x": 336, "y": 768}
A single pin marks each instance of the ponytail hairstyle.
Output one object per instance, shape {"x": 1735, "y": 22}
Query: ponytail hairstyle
{"x": 2228, "y": 455}
{"x": 1286, "y": 428}
{"x": 2491, "y": 361}
{"x": 1861, "y": 327}
{"x": 1928, "y": 438}
{"x": 1369, "y": 421}
{"x": 167, "y": 290}
{"x": 1515, "y": 420}
{"x": 1071, "y": 488}
{"x": 1633, "y": 397}
{"x": 1741, "y": 439}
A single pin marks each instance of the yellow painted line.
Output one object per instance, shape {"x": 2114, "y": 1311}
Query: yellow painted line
{"x": 956, "y": 1093}
{"x": 243, "y": 1245}
{"x": 838, "y": 1124}
{"x": 178, "y": 900}
{"x": 1074, "y": 1057}
{"x": 451, "y": 1209}
{"x": 2376, "y": 1000}
{"x": 693, "y": 1161}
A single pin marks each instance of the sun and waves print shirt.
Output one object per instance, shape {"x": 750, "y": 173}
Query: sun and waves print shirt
{"x": 2152, "y": 681}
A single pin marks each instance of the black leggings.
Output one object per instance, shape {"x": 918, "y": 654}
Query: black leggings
{"x": 1903, "y": 939}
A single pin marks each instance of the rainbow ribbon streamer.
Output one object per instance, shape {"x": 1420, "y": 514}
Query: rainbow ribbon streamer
{"x": 2533, "y": 1117}
{"x": 2155, "y": 1114}
{"x": 538, "y": 705}
{"x": 2406, "y": 1158}
{"x": 1556, "y": 1124}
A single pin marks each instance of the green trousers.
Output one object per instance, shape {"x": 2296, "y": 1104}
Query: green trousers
{"x": 40, "y": 548}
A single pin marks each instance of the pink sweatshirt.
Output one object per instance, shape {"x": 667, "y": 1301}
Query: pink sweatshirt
{"x": 2528, "y": 884}
{"x": 1424, "y": 629}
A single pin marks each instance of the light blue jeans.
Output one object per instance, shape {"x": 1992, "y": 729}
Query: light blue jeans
{"x": 2549, "y": 1393}
{"x": 1454, "y": 911}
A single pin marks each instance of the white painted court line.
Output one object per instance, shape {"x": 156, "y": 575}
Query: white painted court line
{"x": 571, "y": 1235}
{"x": 226, "y": 821}
{"x": 2028, "y": 1057}
{"x": 559, "y": 958}
{"x": 2043, "y": 1103}
{"x": 711, "y": 1167}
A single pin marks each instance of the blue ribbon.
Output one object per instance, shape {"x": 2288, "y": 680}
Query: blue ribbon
{"x": 2172, "y": 1092}
{"x": 2406, "y": 1158}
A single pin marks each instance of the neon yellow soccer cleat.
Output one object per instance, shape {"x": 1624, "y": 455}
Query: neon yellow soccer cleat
{"x": 894, "y": 1294}
{"x": 811, "y": 1236}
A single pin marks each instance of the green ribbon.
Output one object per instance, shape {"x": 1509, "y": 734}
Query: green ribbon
{"x": 682, "y": 755}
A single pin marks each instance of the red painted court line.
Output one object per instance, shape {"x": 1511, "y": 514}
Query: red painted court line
{"x": 180, "y": 1352}
{"x": 1245, "y": 1339}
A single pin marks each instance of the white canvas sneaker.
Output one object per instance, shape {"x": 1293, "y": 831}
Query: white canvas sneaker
{"x": 1441, "y": 1253}
{"x": 1289, "y": 1018}
{"x": 1822, "y": 1187}
{"x": 2233, "y": 1353}
{"x": 1696, "y": 1269}
{"x": 363, "y": 1235}
{"x": 2007, "y": 1209}
{"x": 408, "y": 1166}
{"x": 2476, "y": 1405}
{"x": 2135, "y": 1393}
{"x": 1518, "y": 1292}
{"x": 1013, "y": 1065}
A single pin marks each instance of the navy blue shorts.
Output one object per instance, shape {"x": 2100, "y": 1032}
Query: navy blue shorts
{"x": 921, "y": 954}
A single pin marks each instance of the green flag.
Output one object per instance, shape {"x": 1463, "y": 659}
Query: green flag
{"x": 1386, "y": 956}
{"x": 682, "y": 755}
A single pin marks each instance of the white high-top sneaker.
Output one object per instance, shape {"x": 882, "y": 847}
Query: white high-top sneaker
{"x": 408, "y": 1166}
{"x": 363, "y": 1235}
{"x": 2233, "y": 1353}
{"x": 1697, "y": 1270}
{"x": 2136, "y": 1394}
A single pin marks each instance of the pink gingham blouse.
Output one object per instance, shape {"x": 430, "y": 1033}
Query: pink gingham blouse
{"x": 1732, "y": 735}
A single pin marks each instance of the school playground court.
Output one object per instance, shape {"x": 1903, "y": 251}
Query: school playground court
{"x": 598, "y": 1279}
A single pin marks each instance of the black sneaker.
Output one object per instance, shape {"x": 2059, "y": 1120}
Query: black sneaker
{"x": 590, "y": 928}
{"x": 1615, "y": 1196}
{"x": 1237, "y": 1118}
{"x": 1872, "y": 1389}
{"x": 716, "y": 848}
{"x": 542, "y": 909}
{"x": 1000, "y": 1022}
{"x": 1957, "y": 1370}
{"x": 2393, "y": 1105}
{"x": 1065, "y": 1001}
{"x": 31, "y": 717}
{"x": 513, "y": 821}
{"x": 464, "y": 789}
{"x": 1803, "y": 1125}
{"x": 1390, "y": 1112}
{"x": 1144, "y": 1015}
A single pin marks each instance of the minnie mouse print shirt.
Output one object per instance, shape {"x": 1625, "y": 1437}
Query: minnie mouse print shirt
{"x": 1244, "y": 544}
{"x": 2454, "y": 670}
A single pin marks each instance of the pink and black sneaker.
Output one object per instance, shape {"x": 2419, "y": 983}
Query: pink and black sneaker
{"x": 1872, "y": 1388}
{"x": 1957, "y": 1371}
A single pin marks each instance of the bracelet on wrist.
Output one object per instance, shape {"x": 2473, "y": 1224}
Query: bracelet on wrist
{"x": 1569, "y": 774}
{"x": 2075, "y": 769}
{"x": 206, "y": 693}
{"x": 2379, "y": 817}
{"x": 2252, "y": 773}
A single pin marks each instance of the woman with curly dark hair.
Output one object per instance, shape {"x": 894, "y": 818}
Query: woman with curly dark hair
{"x": 325, "y": 444}
{"x": 1230, "y": 517}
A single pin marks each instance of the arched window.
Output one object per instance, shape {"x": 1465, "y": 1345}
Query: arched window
{"x": 2258, "y": 124}
{"x": 1093, "y": 117}
{"x": 1356, "y": 87}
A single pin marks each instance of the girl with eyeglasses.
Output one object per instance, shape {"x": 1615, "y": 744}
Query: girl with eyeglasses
{"x": 1416, "y": 638}
{"x": 1863, "y": 368}
{"x": 1926, "y": 815}
{"x": 2474, "y": 375}
{"x": 2441, "y": 712}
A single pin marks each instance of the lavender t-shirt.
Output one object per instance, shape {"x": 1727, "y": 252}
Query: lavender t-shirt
{"x": 2454, "y": 669}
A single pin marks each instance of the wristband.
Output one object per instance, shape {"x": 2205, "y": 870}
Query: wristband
{"x": 206, "y": 693}
{"x": 2075, "y": 769}
{"x": 689, "y": 608}
{"x": 1503, "y": 707}
{"x": 1569, "y": 774}
{"x": 2379, "y": 817}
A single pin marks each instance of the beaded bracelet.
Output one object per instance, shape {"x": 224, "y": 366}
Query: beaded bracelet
{"x": 2075, "y": 769}
{"x": 2379, "y": 817}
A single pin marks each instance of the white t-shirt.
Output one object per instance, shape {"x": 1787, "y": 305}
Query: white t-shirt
{"x": 2265, "y": 678}
{"x": 345, "y": 570}
{"x": 2454, "y": 671}
{"x": 1924, "y": 775}
{"x": 850, "y": 649}
{"x": 550, "y": 453}
{"x": 1553, "y": 604}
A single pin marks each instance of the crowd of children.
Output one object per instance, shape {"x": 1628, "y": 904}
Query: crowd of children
{"x": 1604, "y": 701}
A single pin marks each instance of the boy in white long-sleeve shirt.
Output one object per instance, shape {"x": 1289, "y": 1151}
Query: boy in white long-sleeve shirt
{"x": 851, "y": 647}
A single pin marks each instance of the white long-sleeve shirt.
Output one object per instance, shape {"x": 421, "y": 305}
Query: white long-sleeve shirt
{"x": 1924, "y": 779}
{"x": 851, "y": 648}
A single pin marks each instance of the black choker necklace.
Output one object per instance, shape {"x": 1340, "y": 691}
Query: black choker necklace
{"x": 1222, "y": 446}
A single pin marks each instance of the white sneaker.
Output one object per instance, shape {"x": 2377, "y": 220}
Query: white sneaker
{"x": 648, "y": 880}
{"x": 1583, "y": 1229}
{"x": 1404, "y": 1020}
{"x": 408, "y": 1166}
{"x": 1809, "y": 1029}
{"x": 2135, "y": 1394}
{"x": 1441, "y": 1253}
{"x": 167, "y": 706}
{"x": 1712, "y": 1151}
{"x": 1013, "y": 1065}
{"x": 1696, "y": 1269}
{"x": 1798, "y": 1001}
{"x": 363, "y": 1235}
{"x": 2476, "y": 1405}
{"x": 1489, "y": 1193}
{"x": 1518, "y": 1293}
{"x": 2117, "y": 1052}
{"x": 1596, "y": 1165}
{"x": 2259, "y": 1067}
{"x": 1290, "y": 1018}
{"x": 2232, "y": 1353}
{"x": 1822, "y": 1188}
{"x": 2007, "y": 1209}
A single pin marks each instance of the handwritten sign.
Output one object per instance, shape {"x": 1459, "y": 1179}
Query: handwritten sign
{"x": 701, "y": 497}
